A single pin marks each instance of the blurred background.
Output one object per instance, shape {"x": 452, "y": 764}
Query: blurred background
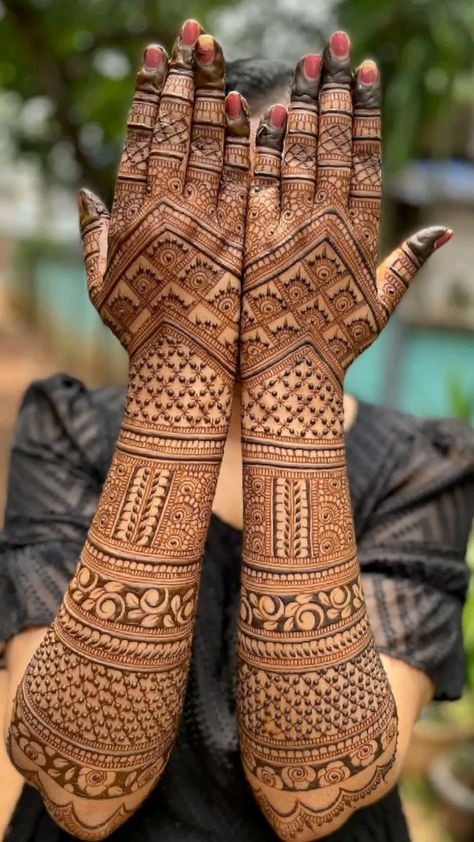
{"x": 66, "y": 81}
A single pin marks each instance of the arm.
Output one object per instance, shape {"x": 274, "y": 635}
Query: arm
{"x": 11, "y": 782}
{"x": 98, "y": 709}
{"x": 317, "y": 715}
{"x": 20, "y": 649}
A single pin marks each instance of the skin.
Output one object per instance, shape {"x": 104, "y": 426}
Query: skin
{"x": 102, "y": 233}
{"x": 98, "y": 709}
{"x": 317, "y": 715}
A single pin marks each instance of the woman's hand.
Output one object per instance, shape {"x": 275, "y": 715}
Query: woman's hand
{"x": 317, "y": 716}
{"x": 98, "y": 708}
{"x": 312, "y": 238}
{"x": 167, "y": 263}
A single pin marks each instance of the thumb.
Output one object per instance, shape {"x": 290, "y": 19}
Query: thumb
{"x": 398, "y": 270}
{"x": 94, "y": 220}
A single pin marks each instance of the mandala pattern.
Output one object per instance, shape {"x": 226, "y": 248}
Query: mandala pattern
{"x": 98, "y": 710}
{"x": 317, "y": 718}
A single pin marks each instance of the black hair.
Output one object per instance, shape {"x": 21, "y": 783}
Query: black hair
{"x": 258, "y": 79}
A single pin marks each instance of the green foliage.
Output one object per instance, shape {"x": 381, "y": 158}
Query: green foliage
{"x": 461, "y": 399}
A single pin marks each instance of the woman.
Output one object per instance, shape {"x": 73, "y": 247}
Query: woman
{"x": 329, "y": 678}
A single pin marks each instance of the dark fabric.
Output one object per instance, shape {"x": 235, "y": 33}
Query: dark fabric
{"x": 412, "y": 485}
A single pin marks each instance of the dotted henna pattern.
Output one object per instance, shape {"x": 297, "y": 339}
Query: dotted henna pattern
{"x": 317, "y": 718}
{"x": 98, "y": 710}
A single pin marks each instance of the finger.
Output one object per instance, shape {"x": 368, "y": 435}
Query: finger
{"x": 366, "y": 180}
{"x": 209, "y": 122}
{"x": 94, "y": 220}
{"x": 299, "y": 160}
{"x": 233, "y": 194}
{"x": 171, "y": 136}
{"x": 142, "y": 118}
{"x": 265, "y": 186}
{"x": 264, "y": 205}
{"x": 398, "y": 270}
{"x": 334, "y": 156}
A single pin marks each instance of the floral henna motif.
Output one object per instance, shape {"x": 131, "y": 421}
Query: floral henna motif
{"x": 317, "y": 719}
{"x": 99, "y": 707}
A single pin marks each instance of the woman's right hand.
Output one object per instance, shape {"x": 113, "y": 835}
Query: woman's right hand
{"x": 166, "y": 264}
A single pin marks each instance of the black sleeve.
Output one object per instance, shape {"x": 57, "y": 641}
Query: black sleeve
{"x": 413, "y": 550}
{"x": 62, "y": 447}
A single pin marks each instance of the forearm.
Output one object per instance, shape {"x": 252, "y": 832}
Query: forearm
{"x": 317, "y": 717}
{"x": 11, "y": 782}
{"x": 99, "y": 706}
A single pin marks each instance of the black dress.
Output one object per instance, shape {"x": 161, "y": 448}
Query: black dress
{"x": 412, "y": 486}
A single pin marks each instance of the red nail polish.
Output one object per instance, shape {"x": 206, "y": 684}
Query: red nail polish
{"x": 368, "y": 72}
{"x": 278, "y": 116}
{"x": 153, "y": 57}
{"x": 233, "y": 104}
{"x": 312, "y": 66}
{"x": 340, "y": 44}
{"x": 445, "y": 238}
{"x": 206, "y": 49}
{"x": 190, "y": 32}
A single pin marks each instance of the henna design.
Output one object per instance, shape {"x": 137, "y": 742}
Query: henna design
{"x": 317, "y": 719}
{"x": 98, "y": 709}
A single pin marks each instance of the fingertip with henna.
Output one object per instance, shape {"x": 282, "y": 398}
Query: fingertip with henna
{"x": 237, "y": 111}
{"x": 428, "y": 240}
{"x": 90, "y": 206}
{"x": 183, "y": 48}
{"x": 340, "y": 44}
{"x": 154, "y": 57}
{"x": 312, "y": 66}
{"x": 206, "y": 49}
{"x": 278, "y": 116}
{"x": 368, "y": 72}
{"x": 367, "y": 88}
{"x": 233, "y": 104}
{"x": 210, "y": 64}
{"x": 271, "y": 131}
{"x": 337, "y": 61}
{"x": 306, "y": 80}
{"x": 190, "y": 32}
{"x": 445, "y": 238}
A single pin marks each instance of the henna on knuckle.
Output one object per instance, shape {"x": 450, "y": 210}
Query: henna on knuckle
{"x": 98, "y": 710}
{"x": 317, "y": 718}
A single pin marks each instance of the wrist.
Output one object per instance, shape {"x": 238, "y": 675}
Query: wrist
{"x": 299, "y": 404}
{"x": 310, "y": 416}
{"x": 179, "y": 399}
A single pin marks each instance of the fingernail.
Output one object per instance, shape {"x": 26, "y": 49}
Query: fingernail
{"x": 340, "y": 44}
{"x": 368, "y": 72}
{"x": 312, "y": 66}
{"x": 154, "y": 55}
{"x": 206, "y": 49}
{"x": 190, "y": 32}
{"x": 233, "y": 104}
{"x": 278, "y": 116}
{"x": 445, "y": 238}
